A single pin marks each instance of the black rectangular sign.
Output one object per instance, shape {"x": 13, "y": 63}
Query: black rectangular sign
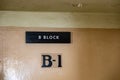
{"x": 48, "y": 37}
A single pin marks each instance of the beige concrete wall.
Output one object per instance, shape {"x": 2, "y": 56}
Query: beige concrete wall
{"x": 94, "y": 54}
{"x": 60, "y": 19}
{"x": 100, "y": 61}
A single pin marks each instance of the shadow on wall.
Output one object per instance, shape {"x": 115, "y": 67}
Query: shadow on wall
{"x": 1, "y": 76}
{"x": 1, "y": 73}
{"x": 115, "y": 75}
{"x": 100, "y": 55}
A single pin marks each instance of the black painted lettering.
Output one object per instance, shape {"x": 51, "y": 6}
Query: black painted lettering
{"x": 47, "y": 61}
{"x": 59, "y": 61}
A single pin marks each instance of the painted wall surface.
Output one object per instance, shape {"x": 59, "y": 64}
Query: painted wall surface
{"x": 93, "y": 54}
{"x": 60, "y": 19}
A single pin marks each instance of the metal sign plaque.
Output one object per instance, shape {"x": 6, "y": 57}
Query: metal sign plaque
{"x": 48, "y": 37}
